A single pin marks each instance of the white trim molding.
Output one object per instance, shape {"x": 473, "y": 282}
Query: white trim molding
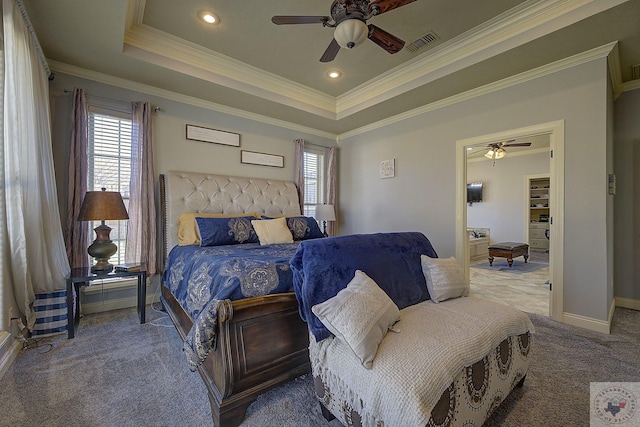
{"x": 9, "y": 349}
{"x": 633, "y": 304}
{"x": 589, "y": 323}
{"x": 529, "y": 21}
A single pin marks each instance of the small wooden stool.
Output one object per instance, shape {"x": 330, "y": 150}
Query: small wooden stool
{"x": 508, "y": 250}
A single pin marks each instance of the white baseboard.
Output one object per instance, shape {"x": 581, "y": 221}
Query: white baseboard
{"x": 587, "y": 323}
{"x": 629, "y": 303}
{"x": 9, "y": 349}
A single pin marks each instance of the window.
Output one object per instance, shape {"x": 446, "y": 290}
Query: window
{"x": 109, "y": 165}
{"x": 314, "y": 181}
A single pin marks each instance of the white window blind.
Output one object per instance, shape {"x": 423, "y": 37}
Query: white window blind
{"x": 314, "y": 181}
{"x": 109, "y": 161}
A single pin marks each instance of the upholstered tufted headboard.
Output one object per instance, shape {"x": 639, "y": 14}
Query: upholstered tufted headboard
{"x": 200, "y": 192}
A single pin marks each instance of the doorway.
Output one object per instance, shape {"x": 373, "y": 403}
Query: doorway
{"x": 555, "y": 132}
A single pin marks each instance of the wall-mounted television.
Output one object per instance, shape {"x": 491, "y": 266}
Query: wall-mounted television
{"x": 474, "y": 192}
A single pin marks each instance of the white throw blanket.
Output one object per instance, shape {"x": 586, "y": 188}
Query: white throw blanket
{"x": 413, "y": 367}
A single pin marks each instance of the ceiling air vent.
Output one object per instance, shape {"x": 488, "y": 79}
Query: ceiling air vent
{"x": 635, "y": 72}
{"x": 423, "y": 41}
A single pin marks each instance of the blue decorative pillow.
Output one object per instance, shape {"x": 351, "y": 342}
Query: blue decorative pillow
{"x": 302, "y": 227}
{"x": 226, "y": 231}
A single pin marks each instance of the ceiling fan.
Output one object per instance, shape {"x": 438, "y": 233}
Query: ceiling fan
{"x": 349, "y": 18}
{"x": 497, "y": 151}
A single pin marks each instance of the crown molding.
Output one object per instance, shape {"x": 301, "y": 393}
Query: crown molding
{"x": 631, "y": 85}
{"x": 157, "y": 47}
{"x": 554, "y": 67}
{"x": 72, "y": 70}
{"x": 615, "y": 73}
{"x": 531, "y": 20}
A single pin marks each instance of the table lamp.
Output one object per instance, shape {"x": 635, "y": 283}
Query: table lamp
{"x": 100, "y": 206}
{"x": 325, "y": 213}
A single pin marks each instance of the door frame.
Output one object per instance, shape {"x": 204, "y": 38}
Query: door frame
{"x": 556, "y": 133}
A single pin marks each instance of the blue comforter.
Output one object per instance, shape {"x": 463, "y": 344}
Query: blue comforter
{"x": 200, "y": 277}
{"x": 322, "y": 267}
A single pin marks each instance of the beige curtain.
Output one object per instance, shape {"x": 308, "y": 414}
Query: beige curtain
{"x": 141, "y": 228}
{"x": 299, "y": 171}
{"x": 332, "y": 227}
{"x": 77, "y": 232}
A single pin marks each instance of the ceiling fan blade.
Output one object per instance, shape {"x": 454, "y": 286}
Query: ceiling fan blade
{"x": 280, "y": 20}
{"x": 385, "y": 40}
{"x": 331, "y": 52}
{"x": 519, "y": 144}
{"x": 387, "y": 5}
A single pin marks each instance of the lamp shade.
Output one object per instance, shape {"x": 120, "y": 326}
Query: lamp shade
{"x": 102, "y": 205}
{"x": 350, "y": 33}
{"x": 325, "y": 213}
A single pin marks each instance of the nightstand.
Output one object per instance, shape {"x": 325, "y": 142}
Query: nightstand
{"x": 83, "y": 277}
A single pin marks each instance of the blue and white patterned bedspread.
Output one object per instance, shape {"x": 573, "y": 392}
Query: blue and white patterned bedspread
{"x": 200, "y": 277}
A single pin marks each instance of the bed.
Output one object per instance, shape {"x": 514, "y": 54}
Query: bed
{"x": 241, "y": 336}
{"x": 394, "y": 338}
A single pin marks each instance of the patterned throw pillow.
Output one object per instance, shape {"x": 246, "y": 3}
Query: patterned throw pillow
{"x": 226, "y": 231}
{"x": 188, "y": 227}
{"x": 360, "y": 315}
{"x": 304, "y": 227}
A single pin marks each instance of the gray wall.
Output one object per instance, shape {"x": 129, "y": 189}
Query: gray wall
{"x": 172, "y": 150}
{"x": 503, "y": 206}
{"x": 422, "y": 195}
{"x": 627, "y": 198}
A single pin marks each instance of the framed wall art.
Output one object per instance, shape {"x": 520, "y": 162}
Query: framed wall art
{"x": 262, "y": 159}
{"x": 215, "y": 136}
{"x": 387, "y": 168}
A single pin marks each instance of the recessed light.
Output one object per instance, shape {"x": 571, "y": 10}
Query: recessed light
{"x": 334, "y": 74}
{"x": 209, "y": 17}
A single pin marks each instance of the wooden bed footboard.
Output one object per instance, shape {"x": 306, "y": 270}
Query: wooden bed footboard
{"x": 262, "y": 342}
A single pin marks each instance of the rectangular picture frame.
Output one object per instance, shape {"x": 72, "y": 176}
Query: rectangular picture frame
{"x": 262, "y": 159}
{"x": 388, "y": 168}
{"x": 214, "y": 136}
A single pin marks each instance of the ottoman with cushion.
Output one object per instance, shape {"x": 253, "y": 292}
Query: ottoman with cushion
{"x": 508, "y": 250}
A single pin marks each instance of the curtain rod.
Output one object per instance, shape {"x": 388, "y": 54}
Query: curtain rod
{"x": 34, "y": 37}
{"x": 155, "y": 109}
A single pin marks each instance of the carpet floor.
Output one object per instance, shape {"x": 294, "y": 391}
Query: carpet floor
{"x": 118, "y": 372}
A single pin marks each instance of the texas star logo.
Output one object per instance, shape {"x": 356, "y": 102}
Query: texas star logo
{"x": 615, "y": 405}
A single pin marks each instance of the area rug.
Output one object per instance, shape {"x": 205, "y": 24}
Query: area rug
{"x": 519, "y": 266}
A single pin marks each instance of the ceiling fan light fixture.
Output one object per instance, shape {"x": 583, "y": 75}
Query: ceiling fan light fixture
{"x": 350, "y": 33}
{"x": 500, "y": 153}
{"x": 489, "y": 154}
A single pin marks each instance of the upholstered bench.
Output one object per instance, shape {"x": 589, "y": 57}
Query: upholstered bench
{"x": 508, "y": 250}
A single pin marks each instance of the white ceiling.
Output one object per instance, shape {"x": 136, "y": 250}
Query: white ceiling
{"x": 248, "y": 63}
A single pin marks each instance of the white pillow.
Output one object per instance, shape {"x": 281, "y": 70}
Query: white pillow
{"x": 360, "y": 315}
{"x": 272, "y": 231}
{"x": 445, "y": 278}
